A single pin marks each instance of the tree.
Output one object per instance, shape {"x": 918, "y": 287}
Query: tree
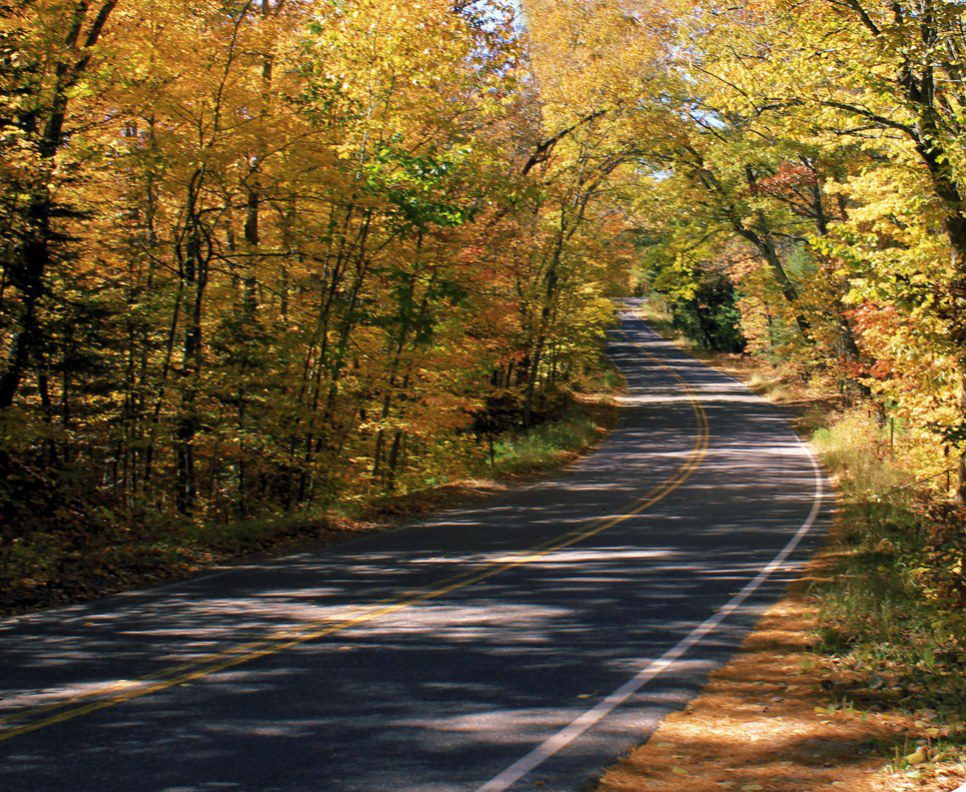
{"x": 884, "y": 76}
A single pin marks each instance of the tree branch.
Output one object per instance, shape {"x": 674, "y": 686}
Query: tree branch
{"x": 543, "y": 149}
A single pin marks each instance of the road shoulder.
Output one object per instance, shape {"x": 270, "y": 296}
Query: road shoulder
{"x": 779, "y": 717}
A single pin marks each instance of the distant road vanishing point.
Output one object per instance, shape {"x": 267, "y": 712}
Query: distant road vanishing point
{"x": 523, "y": 643}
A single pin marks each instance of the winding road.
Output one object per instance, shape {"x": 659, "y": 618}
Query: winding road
{"x": 523, "y": 643}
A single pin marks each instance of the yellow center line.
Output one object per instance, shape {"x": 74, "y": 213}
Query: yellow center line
{"x": 126, "y": 690}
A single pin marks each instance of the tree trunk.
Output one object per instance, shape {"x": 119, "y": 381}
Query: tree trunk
{"x": 194, "y": 279}
{"x": 956, "y": 231}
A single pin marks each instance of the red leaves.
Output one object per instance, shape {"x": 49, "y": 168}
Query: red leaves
{"x": 789, "y": 177}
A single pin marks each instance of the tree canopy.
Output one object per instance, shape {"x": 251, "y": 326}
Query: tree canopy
{"x": 261, "y": 254}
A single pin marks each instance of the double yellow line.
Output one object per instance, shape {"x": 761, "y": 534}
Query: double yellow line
{"x": 40, "y": 717}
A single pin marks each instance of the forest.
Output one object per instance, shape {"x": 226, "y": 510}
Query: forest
{"x": 268, "y": 257}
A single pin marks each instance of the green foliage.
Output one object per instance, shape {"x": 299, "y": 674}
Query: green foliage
{"x": 544, "y": 446}
{"x": 415, "y": 185}
{"x": 710, "y": 318}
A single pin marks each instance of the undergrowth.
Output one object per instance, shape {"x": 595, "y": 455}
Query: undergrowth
{"x": 59, "y": 556}
{"x": 895, "y": 606}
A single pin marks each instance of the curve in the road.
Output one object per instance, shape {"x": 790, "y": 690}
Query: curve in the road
{"x": 434, "y": 657}
{"x": 588, "y": 719}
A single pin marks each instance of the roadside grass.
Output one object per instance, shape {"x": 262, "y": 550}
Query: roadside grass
{"x": 548, "y": 445}
{"x": 75, "y": 561}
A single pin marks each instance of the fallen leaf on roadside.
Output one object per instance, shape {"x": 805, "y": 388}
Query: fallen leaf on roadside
{"x": 916, "y": 757}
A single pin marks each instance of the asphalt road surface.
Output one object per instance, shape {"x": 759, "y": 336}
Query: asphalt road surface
{"x": 524, "y": 643}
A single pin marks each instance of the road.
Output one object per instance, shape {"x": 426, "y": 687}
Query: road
{"x": 523, "y": 643}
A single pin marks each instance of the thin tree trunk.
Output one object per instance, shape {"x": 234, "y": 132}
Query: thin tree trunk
{"x": 956, "y": 231}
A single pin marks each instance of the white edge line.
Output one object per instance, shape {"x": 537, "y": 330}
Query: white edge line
{"x": 603, "y": 708}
